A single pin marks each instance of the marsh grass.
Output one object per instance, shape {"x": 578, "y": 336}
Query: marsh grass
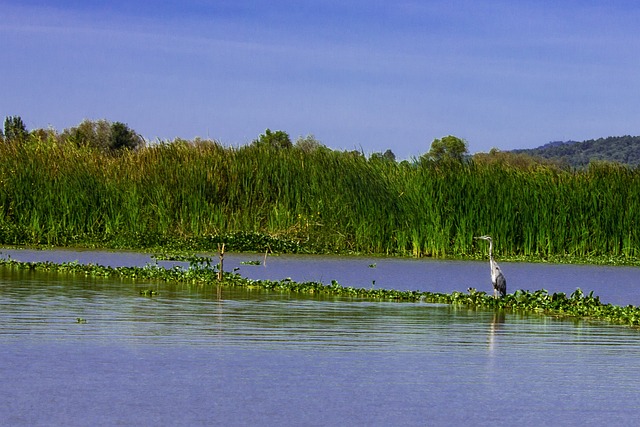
{"x": 195, "y": 195}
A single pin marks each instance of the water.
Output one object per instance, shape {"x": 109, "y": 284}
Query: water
{"x": 254, "y": 357}
{"x": 615, "y": 285}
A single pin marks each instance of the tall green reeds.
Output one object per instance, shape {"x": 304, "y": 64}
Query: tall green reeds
{"x": 60, "y": 194}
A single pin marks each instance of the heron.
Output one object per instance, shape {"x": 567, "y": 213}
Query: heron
{"x": 497, "y": 278}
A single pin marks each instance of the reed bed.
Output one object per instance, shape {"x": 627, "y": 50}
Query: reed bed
{"x": 319, "y": 201}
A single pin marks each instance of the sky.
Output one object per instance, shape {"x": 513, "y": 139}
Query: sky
{"x": 361, "y": 75}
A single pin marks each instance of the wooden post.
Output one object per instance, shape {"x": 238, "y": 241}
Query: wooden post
{"x": 220, "y": 270}
{"x": 221, "y": 254}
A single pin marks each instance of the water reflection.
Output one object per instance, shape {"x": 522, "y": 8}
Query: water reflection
{"x": 496, "y": 321}
{"x": 253, "y": 357}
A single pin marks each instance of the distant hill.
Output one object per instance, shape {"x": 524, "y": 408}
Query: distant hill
{"x": 619, "y": 149}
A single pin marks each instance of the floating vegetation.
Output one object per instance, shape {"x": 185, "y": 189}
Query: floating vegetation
{"x": 577, "y": 305}
{"x": 251, "y": 262}
{"x": 80, "y": 320}
{"x": 181, "y": 257}
{"x": 148, "y": 292}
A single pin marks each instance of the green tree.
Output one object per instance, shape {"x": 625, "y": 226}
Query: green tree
{"x": 44, "y": 135}
{"x": 389, "y": 155}
{"x": 89, "y": 133}
{"x": 519, "y": 160}
{"x": 122, "y": 137}
{"x": 278, "y": 139}
{"x": 103, "y": 135}
{"x": 448, "y": 148}
{"x": 308, "y": 144}
{"x": 15, "y": 129}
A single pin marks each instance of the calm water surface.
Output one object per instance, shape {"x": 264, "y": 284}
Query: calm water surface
{"x": 186, "y": 357}
{"x": 615, "y": 285}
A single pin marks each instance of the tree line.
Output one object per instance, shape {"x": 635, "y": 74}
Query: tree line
{"x": 106, "y": 136}
{"x": 617, "y": 149}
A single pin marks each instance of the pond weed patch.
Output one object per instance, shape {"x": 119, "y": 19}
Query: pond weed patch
{"x": 201, "y": 272}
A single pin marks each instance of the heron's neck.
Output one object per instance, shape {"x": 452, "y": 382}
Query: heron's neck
{"x": 491, "y": 249}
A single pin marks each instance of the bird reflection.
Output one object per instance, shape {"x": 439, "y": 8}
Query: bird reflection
{"x": 496, "y": 321}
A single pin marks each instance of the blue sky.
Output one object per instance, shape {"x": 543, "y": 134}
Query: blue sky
{"x": 366, "y": 75}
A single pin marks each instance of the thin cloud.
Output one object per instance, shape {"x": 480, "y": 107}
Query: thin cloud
{"x": 393, "y": 75}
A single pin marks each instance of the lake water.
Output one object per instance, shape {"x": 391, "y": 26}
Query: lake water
{"x": 615, "y": 285}
{"x": 186, "y": 357}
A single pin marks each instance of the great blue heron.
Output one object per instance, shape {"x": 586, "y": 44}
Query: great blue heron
{"x": 497, "y": 278}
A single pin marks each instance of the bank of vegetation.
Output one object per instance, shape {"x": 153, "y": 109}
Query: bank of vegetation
{"x": 578, "y": 305}
{"x": 273, "y": 195}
